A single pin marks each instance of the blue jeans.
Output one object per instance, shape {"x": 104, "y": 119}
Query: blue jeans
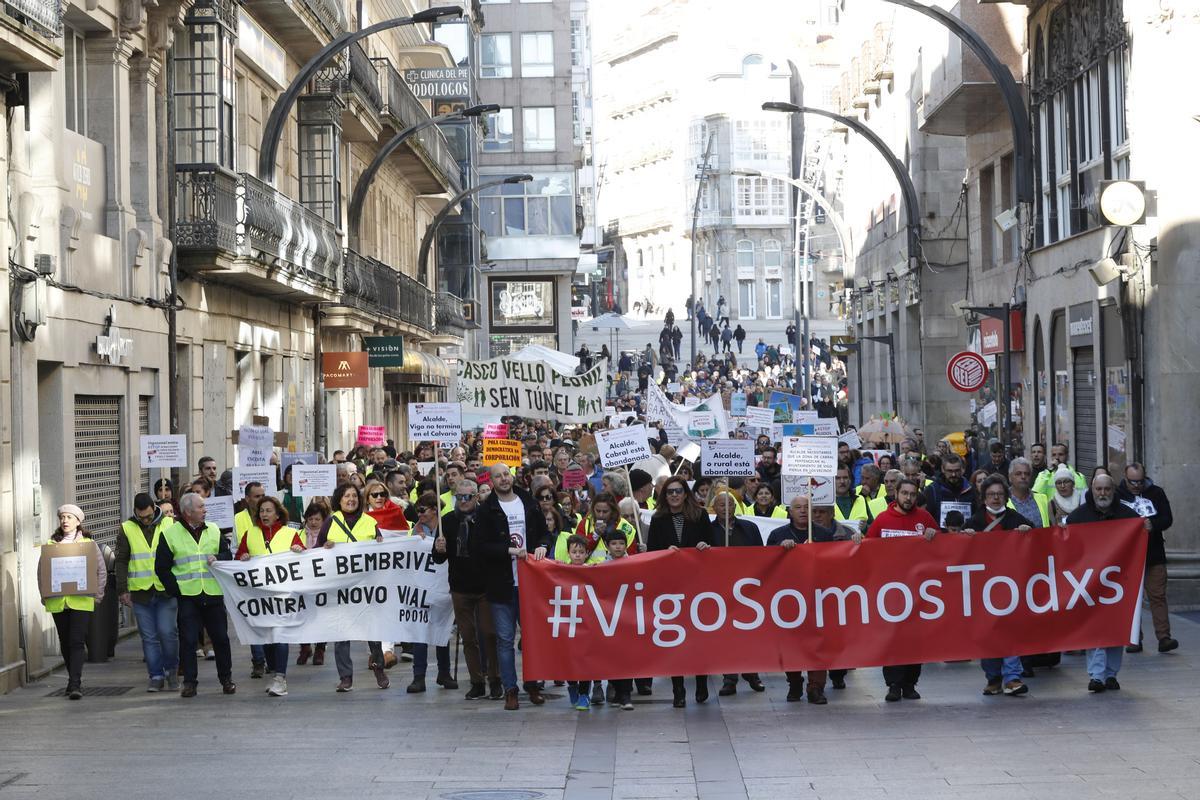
{"x": 277, "y": 657}
{"x": 420, "y": 654}
{"x": 1006, "y": 669}
{"x": 1105, "y": 662}
{"x": 506, "y": 616}
{"x": 159, "y": 628}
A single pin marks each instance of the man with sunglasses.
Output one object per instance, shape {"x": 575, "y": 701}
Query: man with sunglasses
{"x": 1150, "y": 502}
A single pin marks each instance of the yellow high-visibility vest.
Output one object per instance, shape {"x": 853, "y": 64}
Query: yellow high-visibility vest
{"x": 191, "y": 559}
{"x": 141, "y": 554}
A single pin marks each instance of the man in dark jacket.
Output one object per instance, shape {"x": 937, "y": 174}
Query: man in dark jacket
{"x": 951, "y": 491}
{"x": 509, "y": 527}
{"x": 472, "y": 613}
{"x": 1150, "y": 502}
{"x": 1101, "y": 506}
{"x": 1003, "y": 674}
{"x": 788, "y": 536}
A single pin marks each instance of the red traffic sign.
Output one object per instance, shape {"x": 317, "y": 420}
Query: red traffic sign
{"x": 967, "y": 371}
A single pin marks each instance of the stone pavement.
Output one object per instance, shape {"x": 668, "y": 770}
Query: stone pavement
{"x": 1058, "y": 742}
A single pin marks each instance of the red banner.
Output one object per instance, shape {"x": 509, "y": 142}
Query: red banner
{"x": 834, "y": 605}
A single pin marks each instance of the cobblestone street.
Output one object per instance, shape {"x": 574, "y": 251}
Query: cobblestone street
{"x": 1057, "y": 742}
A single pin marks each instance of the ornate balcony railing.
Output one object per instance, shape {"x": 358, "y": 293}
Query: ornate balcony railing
{"x": 330, "y": 14}
{"x": 352, "y": 72}
{"x": 44, "y": 16}
{"x": 205, "y": 209}
{"x": 273, "y": 225}
{"x": 406, "y": 110}
{"x": 244, "y": 217}
{"x": 373, "y": 286}
{"x": 450, "y": 313}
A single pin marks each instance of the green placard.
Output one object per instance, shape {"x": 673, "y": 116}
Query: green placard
{"x": 385, "y": 351}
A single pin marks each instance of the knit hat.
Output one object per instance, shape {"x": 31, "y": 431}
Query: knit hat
{"x": 72, "y": 509}
{"x": 1063, "y": 473}
{"x": 639, "y": 479}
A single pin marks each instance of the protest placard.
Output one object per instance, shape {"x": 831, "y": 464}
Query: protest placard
{"x": 737, "y": 404}
{"x": 820, "y": 490}
{"x": 501, "y": 451}
{"x": 264, "y": 475}
{"x": 256, "y": 437}
{"x": 804, "y": 417}
{"x": 573, "y": 478}
{"x": 778, "y": 432}
{"x": 727, "y": 458}
{"x": 219, "y": 511}
{"x": 439, "y": 422}
{"x": 316, "y": 480}
{"x": 702, "y": 422}
{"x": 495, "y": 430}
{"x": 851, "y": 439}
{"x": 825, "y": 426}
{"x": 426, "y": 467}
{"x": 166, "y": 450}
{"x": 809, "y": 455}
{"x": 289, "y": 459}
{"x": 760, "y": 417}
{"x": 372, "y": 435}
{"x": 674, "y": 387}
{"x": 623, "y": 446}
{"x": 691, "y": 400}
{"x": 784, "y": 405}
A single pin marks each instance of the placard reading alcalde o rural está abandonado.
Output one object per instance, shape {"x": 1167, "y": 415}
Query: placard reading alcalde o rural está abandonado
{"x": 727, "y": 458}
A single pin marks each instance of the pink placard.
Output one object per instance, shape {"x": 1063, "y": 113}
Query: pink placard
{"x": 372, "y": 435}
{"x": 495, "y": 430}
{"x": 573, "y": 479}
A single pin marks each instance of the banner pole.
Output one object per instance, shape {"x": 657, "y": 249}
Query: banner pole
{"x": 728, "y": 498}
{"x": 637, "y": 517}
{"x": 810, "y": 510}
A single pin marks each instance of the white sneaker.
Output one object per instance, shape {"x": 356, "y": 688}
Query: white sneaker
{"x": 210, "y": 655}
{"x": 278, "y": 687}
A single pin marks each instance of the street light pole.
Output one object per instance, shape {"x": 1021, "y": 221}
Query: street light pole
{"x": 440, "y": 217}
{"x": 354, "y": 213}
{"x": 700, "y": 180}
{"x": 273, "y": 130}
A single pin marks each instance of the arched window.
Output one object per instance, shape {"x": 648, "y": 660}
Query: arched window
{"x": 745, "y": 253}
{"x": 772, "y": 253}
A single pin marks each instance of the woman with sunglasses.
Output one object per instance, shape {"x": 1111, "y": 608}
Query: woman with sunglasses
{"x": 679, "y": 521}
{"x": 426, "y": 526}
{"x": 388, "y": 516}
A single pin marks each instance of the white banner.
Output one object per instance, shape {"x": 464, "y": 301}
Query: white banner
{"x": 727, "y": 458}
{"x": 387, "y": 591}
{"x": 533, "y": 389}
{"x": 686, "y": 417}
{"x": 621, "y": 446}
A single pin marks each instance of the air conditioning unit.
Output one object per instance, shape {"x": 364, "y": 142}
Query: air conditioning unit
{"x": 44, "y": 263}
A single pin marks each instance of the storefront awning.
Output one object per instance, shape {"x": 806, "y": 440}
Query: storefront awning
{"x": 419, "y": 369}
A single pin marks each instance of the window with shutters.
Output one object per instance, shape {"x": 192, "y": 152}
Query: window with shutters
{"x": 98, "y": 464}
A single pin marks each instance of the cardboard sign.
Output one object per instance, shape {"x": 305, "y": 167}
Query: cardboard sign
{"x": 67, "y": 569}
{"x": 264, "y": 475}
{"x": 727, "y": 458}
{"x": 371, "y": 435}
{"x": 345, "y": 370}
{"x": 737, "y": 404}
{"x": 623, "y": 446}
{"x": 809, "y": 455}
{"x": 317, "y": 480}
{"x": 219, "y": 511}
{"x": 851, "y": 439}
{"x": 495, "y": 430}
{"x": 819, "y": 490}
{"x": 574, "y": 478}
{"x": 760, "y": 417}
{"x": 167, "y": 450}
{"x": 439, "y": 422}
{"x": 501, "y": 451}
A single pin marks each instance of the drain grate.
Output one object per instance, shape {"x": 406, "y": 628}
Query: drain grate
{"x": 493, "y": 794}
{"x": 95, "y": 691}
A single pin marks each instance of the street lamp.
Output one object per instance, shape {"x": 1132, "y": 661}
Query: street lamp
{"x": 700, "y": 179}
{"x": 273, "y": 130}
{"x": 1004, "y": 396}
{"x": 427, "y": 239}
{"x": 354, "y": 214}
{"x": 911, "y": 205}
